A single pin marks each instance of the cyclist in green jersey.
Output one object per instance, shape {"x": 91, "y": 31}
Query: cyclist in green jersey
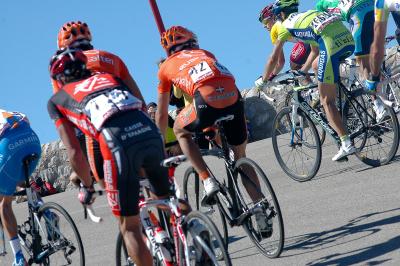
{"x": 382, "y": 9}
{"x": 360, "y": 15}
{"x": 331, "y": 41}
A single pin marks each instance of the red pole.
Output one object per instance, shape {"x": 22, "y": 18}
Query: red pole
{"x": 157, "y": 16}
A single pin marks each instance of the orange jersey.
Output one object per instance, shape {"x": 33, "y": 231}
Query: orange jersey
{"x": 101, "y": 62}
{"x": 189, "y": 70}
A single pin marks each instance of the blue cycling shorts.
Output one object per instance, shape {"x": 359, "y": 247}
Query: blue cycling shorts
{"x": 15, "y": 144}
{"x": 362, "y": 28}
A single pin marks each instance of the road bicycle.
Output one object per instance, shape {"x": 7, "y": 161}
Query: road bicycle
{"x": 234, "y": 204}
{"x": 297, "y": 144}
{"x": 175, "y": 238}
{"x": 49, "y": 236}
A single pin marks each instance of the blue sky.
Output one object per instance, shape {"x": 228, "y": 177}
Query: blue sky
{"x": 229, "y": 29}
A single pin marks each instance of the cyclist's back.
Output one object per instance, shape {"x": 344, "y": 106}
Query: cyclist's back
{"x": 17, "y": 140}
{"x": 101, "y": 107}
{"x": 191, "y": 69}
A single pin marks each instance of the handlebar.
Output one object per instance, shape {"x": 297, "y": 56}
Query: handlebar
{"x": 89, "y": 211}
{"x": 173, "y": 161}
{"x": 290, "y": 80}
{"x": 390, "y": 38}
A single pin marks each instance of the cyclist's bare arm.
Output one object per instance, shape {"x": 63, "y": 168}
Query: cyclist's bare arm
{"x": 378, "y": 47}
{"x": 273, "y": 60}
{"x": 76, "y": 157}
{"x": 162, "y": 112}
{"x": 310, "y": 59}
{"x": 280, "y": 64}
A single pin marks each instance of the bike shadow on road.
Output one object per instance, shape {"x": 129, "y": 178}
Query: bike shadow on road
{"x": 341, "y": 170}
{"x": 354, "y": 230}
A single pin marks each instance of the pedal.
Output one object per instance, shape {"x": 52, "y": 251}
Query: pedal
{"x": 342, "y": 160}
{"x": 208, "y": 201}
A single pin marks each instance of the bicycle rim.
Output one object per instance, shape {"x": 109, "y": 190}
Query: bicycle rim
{"x": 192, "y": 189}
{"x": 60, "y": 236}
{"x": 300, "y": 158}
{"x": 381, "y": 140}
{"x": 204, "y": 241}
{"x": 121, "y": 253}
{"x": 264, "y": 202}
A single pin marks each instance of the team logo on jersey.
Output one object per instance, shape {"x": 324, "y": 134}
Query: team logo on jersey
{"x": 113, "y": 200}
{"x": 94, "y": 83}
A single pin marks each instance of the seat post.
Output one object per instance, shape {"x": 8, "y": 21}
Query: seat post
{"x": 26, "y": 172}
{"x": 26, "y": 162}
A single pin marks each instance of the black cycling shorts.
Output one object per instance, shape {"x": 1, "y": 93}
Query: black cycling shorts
{"x": 130, "y": 141}
{"x": 235, "y": 130}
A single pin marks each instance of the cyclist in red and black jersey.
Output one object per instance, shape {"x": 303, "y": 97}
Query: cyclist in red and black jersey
{"x": 77, "y": 35}
{"x": 103, "y": 108}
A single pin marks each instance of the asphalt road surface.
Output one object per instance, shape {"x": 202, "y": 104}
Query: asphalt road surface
{"x": 348, "y": 214}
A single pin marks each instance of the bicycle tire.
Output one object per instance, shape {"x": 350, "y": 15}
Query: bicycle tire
{"x": 221, "y": 220}
{"x": 372, "y": 151}
{"x": 272, "y": 208}
{"x": 57, "y": 231}
{"x": 191, "y": 228}
{"x": 121, "y": 253}
{"x": 282, "y": 128}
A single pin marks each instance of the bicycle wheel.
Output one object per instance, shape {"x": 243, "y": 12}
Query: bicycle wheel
{"x": 379, "y": 144}
{"x": 121, "y": 254}
{"x": 60, "y": 236}
{"x": 265, "y": 228}
{"x": 318, "y": 108}
{"x": 192, "y": 190}
{"x": 298, "y": 150}
{"x": 203, "y": 240}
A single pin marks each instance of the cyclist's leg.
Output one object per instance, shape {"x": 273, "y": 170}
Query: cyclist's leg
{"x": 362, "y": 21}
{"x": 236, "y": 134}
{"x": 186, "y": 119}
{"x": 118, "y": 140}
{"x": 340, "y": 44}
{"x": 208, "y": 105}
{"x": 333, "y": 46}
{"x": 7, "y": 216}
{"x": 133, "y": 237}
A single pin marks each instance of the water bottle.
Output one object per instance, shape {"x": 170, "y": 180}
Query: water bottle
{"x": 161, "y": 239}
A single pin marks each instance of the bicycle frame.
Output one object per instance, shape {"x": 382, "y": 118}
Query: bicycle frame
{"x": 236, "y": 217}
{"x": 172, "y": 205}
{"x": 300, "y": 102}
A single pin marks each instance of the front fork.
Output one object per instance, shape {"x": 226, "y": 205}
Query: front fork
{"x": 296, "y": 119}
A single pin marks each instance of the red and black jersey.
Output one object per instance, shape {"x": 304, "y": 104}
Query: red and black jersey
{"x": 90, "y": 102}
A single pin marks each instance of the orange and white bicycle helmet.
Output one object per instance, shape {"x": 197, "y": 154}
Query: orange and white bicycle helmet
{"x": 177, "y": 35}
{"x": 73, "y": 31}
